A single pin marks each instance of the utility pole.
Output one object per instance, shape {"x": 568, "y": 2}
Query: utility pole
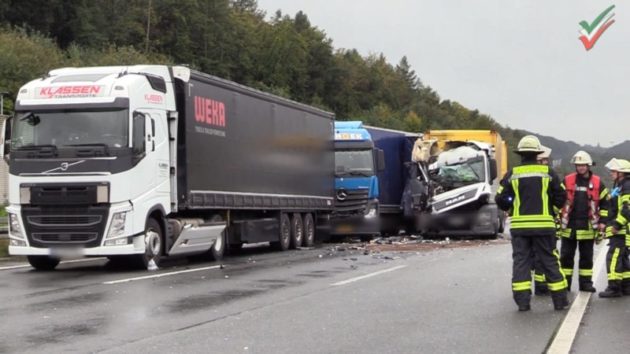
{"x": 146, "y": 44}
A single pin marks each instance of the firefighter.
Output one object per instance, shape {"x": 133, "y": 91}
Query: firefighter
{"x": 532, "y": 190}
{"x": 617, "y": 264}
{"x": 580, "y": 220}
{"x": 540, "y": 284}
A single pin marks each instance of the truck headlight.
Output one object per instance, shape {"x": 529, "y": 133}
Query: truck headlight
{"x": 15, "y": 229}
{"x": 371, "y": 211}
{"x": 117, "y": 225}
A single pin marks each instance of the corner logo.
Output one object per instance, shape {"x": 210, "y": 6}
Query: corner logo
{"x": 591, "y": 32}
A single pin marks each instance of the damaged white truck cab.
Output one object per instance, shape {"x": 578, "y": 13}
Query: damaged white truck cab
{"x": 458, "y": 180}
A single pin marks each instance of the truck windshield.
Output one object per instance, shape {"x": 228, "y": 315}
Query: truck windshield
{"x": 354, "y": 163}
{"x": 74, "y": 128}
{"x": 462, "y": 174}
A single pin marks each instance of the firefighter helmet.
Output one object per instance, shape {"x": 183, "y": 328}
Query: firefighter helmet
{"x": 614, "y": 164}
{"x": 624, "y": 166}
{"x": 529, "y": 143}
{"x": 582, "y": 158}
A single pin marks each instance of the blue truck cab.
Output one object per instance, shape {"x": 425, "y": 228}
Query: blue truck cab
{"x": 357, "y": 163}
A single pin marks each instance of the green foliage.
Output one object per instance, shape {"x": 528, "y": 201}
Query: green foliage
{"x": 285, "y": 55}
{"x": 24, "y": 57}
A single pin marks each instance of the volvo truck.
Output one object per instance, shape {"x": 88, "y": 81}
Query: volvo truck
{"x": 138, "y": 163}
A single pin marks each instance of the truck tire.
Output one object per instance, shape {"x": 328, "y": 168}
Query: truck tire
{"x": 309, "y": 230}
{"x": 43, "y": 262}
{"x": 297, "y": 230}
{"x": 154, "y": 242}
{"x": 284, "y": 234}
{"x": 217, "y": 251}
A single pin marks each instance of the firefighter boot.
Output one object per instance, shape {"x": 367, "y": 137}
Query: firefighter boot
{"x": 560, "y": 300}
{"x": 613, "y": 290}
{"x": 587, "y": 286}
{"x": 522, "y": 299}
{"x": 625, "y": 287}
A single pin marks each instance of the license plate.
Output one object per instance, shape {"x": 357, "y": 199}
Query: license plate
{"x": 66, "y": 252}
{"x": 344, "y": 229}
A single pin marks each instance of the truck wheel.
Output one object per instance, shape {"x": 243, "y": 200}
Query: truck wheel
{"x": 309, "y": 230}
{"x": 218, "y": 248}
{"x": 153, "y": 244}
{"x": 297, "y": 230}
{"x": 43, "y": 262}
{"x": 285, "y": 234}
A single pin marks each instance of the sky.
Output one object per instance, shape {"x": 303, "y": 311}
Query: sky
{"x": 520, "y": 61}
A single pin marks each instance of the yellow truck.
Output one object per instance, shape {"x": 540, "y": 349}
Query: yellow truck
{"x": 456, "y": 174}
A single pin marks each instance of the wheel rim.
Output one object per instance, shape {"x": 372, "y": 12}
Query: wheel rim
{"x": 310, "y": 232}
{"x": 286, "y": 231}
{"x": 299, "y": 233}
{"x": 218, "y": 243}
{"x": 153, "y": 243}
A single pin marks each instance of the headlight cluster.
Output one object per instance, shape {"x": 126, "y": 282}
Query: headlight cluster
{"x": 15, "y": 231}
{"x": 372, "y": 210}
{"x": 116, "y": 234}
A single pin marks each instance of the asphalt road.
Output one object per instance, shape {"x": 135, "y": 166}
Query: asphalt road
{"x": 308, "y": 301}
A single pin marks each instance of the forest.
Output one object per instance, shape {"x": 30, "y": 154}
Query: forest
{"x": 234, "y": 39}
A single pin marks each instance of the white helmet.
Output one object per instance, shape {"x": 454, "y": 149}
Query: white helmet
{"x": 582, "y": 158}
{"x": 529, "y": 143}
{"x": 624, "y": 166}
{"x": 613, "y": 165}
{"x": 545, "y": 154}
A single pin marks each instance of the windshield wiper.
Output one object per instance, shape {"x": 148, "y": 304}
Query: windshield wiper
{"x": 90, "y": 144}
{"x": 37, "y": 147}
{"x": 360, "y": 173}
{"x": 94, "y": 147}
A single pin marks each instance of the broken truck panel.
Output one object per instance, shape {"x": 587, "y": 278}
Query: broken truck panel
{"x": 458, "y": 175}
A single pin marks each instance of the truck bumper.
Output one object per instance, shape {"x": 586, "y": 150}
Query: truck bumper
{"x": 355, "y": 225}
{"x": 137, "y": 247}
{"x": 482, "y": 222}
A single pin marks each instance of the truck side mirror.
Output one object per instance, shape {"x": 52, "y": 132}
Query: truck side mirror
{"x": 5, "y": 146}
{"x": 493, "y": 169}
{"x": 380, "y": 160}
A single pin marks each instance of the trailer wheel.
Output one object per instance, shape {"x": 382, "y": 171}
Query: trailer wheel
{"x": 153, "y": 241}
{"x": 309, "y": 230}
{"x": 297, "y": 230}
{"x": 43, "y": 262}
{"x": 284, "y": 235}
{"x": 217, "y": 251}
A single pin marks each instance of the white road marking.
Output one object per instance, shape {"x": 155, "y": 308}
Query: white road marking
{"x": 159, "y": 275}
{"x": 351, "y": 280}
{"x": 26, "y": 265}
{"x": 563, "y": 341}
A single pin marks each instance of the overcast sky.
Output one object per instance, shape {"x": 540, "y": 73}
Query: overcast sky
{"x": 519, "y": 61}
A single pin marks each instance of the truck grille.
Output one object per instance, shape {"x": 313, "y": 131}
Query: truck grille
{"x": 351, "y": 201}
{"x": 65, "y": 238}
{"x": 76, "y": 226}
{"x": 65, "y": 220}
